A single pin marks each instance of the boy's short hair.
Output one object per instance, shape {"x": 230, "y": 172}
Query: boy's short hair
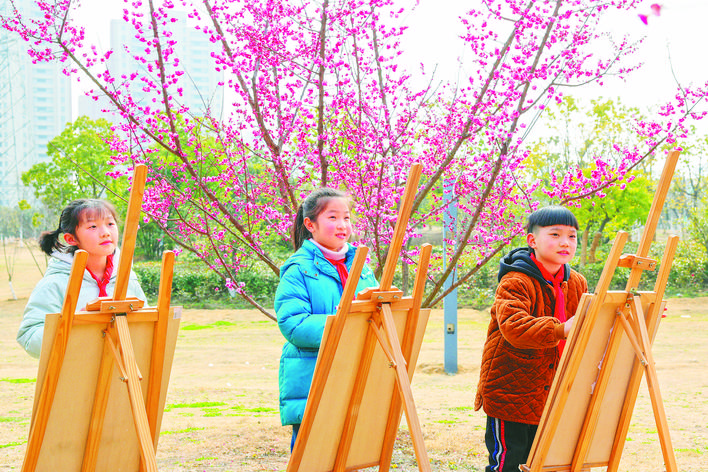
{"x": 549, "y": 216}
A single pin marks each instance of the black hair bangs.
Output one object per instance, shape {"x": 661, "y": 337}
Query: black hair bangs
{"x": 92, "y": 210}
{"x": 550, "y": 216}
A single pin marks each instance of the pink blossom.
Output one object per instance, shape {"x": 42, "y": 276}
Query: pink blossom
{"x": 312, "y": 106}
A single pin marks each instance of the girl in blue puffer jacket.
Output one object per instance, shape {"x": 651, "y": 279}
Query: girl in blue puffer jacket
{"x": 311, "y": 285}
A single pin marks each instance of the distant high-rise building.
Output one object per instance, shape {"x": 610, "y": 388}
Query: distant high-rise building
{"x": 35, "y": 106}
{"x": 200, "y": 83}
{"x": 35, "y": 99}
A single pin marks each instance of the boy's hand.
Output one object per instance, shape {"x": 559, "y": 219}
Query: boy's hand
{"x": 567, "y": 326}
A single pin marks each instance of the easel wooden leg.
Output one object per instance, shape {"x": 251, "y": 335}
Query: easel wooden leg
{"x": 404, "y": 387}
{"x": 100, "y": 401}
{"x": 652, "y": 323}
{"x": 130, "y": 232}
{"x": 394, "y": 418}
{"x": 56, "y": 359}
{"x": 399, "y": 232}
{"x": 159, "y": 340}
{"x": 147, "y": 450}
{"x": 654, "y": 391}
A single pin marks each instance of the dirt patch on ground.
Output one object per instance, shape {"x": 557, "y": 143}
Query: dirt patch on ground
{"x": 222, "y": 407}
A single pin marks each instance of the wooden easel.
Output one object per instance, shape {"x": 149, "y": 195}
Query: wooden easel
{"x": 362, "y": 377}
{"x": 79, "y": 419}
{"x": 589, "y": 408}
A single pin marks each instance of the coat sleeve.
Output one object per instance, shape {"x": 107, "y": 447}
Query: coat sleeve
{"x": 293, "y": 308}
{"x": 134, "y": 288}
{"x": 47, "y": 297}
{"x": 515, "y": 312}
{"x": 583, "y": 285}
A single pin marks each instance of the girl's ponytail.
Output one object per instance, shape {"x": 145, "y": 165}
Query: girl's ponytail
{"x": 310, "y": 208}
{"x": 299, "y": 232}
{"x": 49, "y": 241}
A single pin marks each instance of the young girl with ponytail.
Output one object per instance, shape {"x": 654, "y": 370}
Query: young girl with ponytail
{"x": 311, "y": 285}
{"x": 86, "y": 224}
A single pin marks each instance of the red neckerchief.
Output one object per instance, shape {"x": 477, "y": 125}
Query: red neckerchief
{"x": 555, "y": 281}
{"x": 103, "y": 282}
{"x": 341, "y": 269}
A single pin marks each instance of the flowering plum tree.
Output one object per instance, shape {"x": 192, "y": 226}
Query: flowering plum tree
{"x": 318, "y": 96}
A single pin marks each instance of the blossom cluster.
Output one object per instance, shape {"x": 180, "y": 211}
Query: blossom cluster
{"x": 317, "y": 96}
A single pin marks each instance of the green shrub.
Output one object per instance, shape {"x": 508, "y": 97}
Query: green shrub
{"x": 479, "y": 298}
{"x": 689, "y": 272}
{"x": 194, "y": 285}
{"x": 688, "y": 275}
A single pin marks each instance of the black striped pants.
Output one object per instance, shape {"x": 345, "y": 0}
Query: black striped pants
{"x": 508, "y": 443}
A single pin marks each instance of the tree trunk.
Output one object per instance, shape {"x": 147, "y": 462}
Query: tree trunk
{"x": 593, "y": 248}
{"x": 584, "y": 247}
{"x": 405, "y": 269}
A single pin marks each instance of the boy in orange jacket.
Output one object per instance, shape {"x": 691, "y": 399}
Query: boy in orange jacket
{"x": 535, "y": 301}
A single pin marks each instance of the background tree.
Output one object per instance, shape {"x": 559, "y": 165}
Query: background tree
{"x": 319, "y": 98}
{"x": 80, "y": 160}
{"x": 576, "y": 133}
{"x": 621, "y": 208}
{"x": 17, "y": 222}
{"x": 689, "y": 191}
{"x": 699, "y": 224}
{"x": 591, "y": 136}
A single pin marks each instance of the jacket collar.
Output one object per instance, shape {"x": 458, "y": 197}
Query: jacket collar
{"x": 310, "y": 257}
{"x": 62, "y": 261}
{"x": 519, "y": 260}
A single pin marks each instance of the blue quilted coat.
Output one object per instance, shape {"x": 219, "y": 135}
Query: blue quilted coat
{"x": 309, "y": 290}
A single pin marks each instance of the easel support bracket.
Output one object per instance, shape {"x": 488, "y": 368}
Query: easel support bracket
{"x": 632, "y": 261}
{"x": 381, "y": 337}
{"x": 629, "y": 331}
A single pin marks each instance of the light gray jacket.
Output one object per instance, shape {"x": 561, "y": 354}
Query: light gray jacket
{"x": 48, "y": 297}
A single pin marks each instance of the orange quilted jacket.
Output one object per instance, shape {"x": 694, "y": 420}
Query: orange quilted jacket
{"x": 521, "y": 351}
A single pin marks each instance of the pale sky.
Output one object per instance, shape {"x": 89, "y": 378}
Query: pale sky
{"x": 433, "y": 39}
{"x": 680, "y": 30}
